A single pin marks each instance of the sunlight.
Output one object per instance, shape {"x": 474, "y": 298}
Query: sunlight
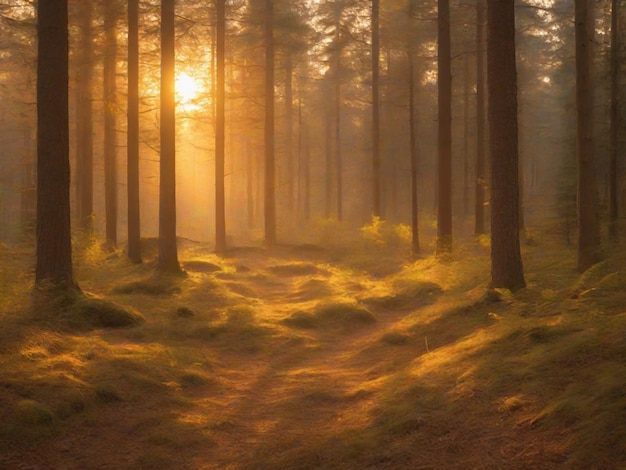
{"x": 188, "y": 89}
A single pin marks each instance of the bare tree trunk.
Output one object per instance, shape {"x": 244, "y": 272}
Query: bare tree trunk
{"x": 444, "y": 69}
{"x": 54, "y": 243}
{"x": 376, "y": 177}
{"x": 110, "y": 110}
{"x": 481, "y": 176}
{"x": 84, "y": 120}
{"x": 506, "y": 259}
{"x": 270, "y": 170}
{"x": 220, "y": 119}
{"x": 289, "y": 128}
{"x": 415, "y": 241}
{"x": 615, "y": 123}
{"x": 168, "y": 252}
{"x": 588, "y": 220}
{"x": 134, "y": 221}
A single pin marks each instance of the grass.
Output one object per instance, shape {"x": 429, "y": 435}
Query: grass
{"x": 312, "y": 360}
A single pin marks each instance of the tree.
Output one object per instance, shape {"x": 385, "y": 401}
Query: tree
{"x": 376, "y": 191}
{"x": 270, "y": 171}
{"x": 134, "y": 221}
{"x": 220, "y": 92}
{"x": 588, "y": 222}
{"x": 444, "y": 166}
{"x": 481, "y": 177}
{"x": 168, "y": 252}
{"x": 506, "y": 259}
{"x": 54, "y": 246}
{"x": 415, "y": 241}
{"x": 110, "y": 111}
{"x": 84, "y": 120}
{"x": 614, "y": 131}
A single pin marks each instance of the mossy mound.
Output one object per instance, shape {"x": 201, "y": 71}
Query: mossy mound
{"x": 345, "y": 312}
{"x": 94, "y": 312}
{"x": 294, "y": 269}
{"x": 154, "y": 285}
{"x": 301, "y": 319}
{"x": 201, "y": 266}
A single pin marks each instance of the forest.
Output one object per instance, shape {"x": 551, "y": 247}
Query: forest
{"x": 312, "y": 234}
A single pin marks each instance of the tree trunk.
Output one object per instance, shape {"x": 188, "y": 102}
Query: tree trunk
{"x": 110, "y": 109}
{"x": 134, "y": 221}
{"x": 84, "y": 120}
{"x": 444, "y": 70}
{"x": 506, "y": 260}
{"x": 289, "y": 130}
{"x": 376, "y": 177}
{"x": 415, "y": 241}
{"x": 168, "y": 253}
{"x": 220, "y": 119}
{"x": 588, "y": 223}
{"x": 615, "y": 123}
{"x": 54, "y": 245}
{"x": 481, "y": 176}
{"x": 270, "y": 170}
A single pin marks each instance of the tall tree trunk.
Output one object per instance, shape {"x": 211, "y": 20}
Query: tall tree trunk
{"x": 615, "y": 122}
{"x": 132, "y": 146}
{"x": 328, "y": 179}
{"x": 270, "y": 170}
{"x": 338, "y": 100}
{"x": 376, "y": 176}
{"x": 110, "y": 110}
{"x": 220, "y": 119}
{"x": 466, "y": 134}
{"x": 588, "y": 223}
{"x": 415, "y": 241}
{"x": 289, "y": 130}
{"x": 506, "y": 260}
{"x": 84, "y": 120}
{"x": 54, "y": 245}
{"x": 444, "y": 71}
{"x": 481, "y": 176}
{"x": 168, "y": 252}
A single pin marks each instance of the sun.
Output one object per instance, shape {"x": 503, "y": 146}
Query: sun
{"x": 187, "y": 89}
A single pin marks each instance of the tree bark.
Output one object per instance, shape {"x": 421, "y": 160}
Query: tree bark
{"x": 270, "y": 170}
{"x": 588, "y": 221}
{"x": 84, "y": 120}
{"x": 444, "y": 70}
{"x": 506, "y": 260}
{"x": 110, "y": 110}
{"x": 220, "y": 128}
{"x": 132, "y": 144}
{"x": 168, "y": 252}
{"x": 376, "y": 177}
{"x": 481, "y": 176}
{"x": 615, "y": 123}
{"x": 54, "y": 246}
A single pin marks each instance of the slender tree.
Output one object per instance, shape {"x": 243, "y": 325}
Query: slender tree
{"x": 444, "y": 166}
{"x": 132, "y": 147}
{"x": 84, "y": 120}
{"x": 615, "y": 124}
{"x": 376, "y": 176}
{"x": 588, "y": 222}
{"x": 54, "y": 246}
{"x": 270, "y": 171}
{"x": 481, "y": 177}
{"x": 415, "y": 241}
{"x": 220, "y": 208}
{"x": 110, "y": 111}
{"x": 168, "y": 252}
{"x": 506, "y": 259}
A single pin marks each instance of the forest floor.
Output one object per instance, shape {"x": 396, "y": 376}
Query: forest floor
{"x": 310, "y": 358}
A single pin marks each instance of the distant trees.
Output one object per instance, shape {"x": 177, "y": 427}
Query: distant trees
{"x": 506, "y": 260}
{"x": 269, "y": 143}
{"x": 376, "y": 176}
{"x": 54, "y": 246}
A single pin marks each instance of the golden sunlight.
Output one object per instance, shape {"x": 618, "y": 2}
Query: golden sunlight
{"x": 187, "y": 89}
